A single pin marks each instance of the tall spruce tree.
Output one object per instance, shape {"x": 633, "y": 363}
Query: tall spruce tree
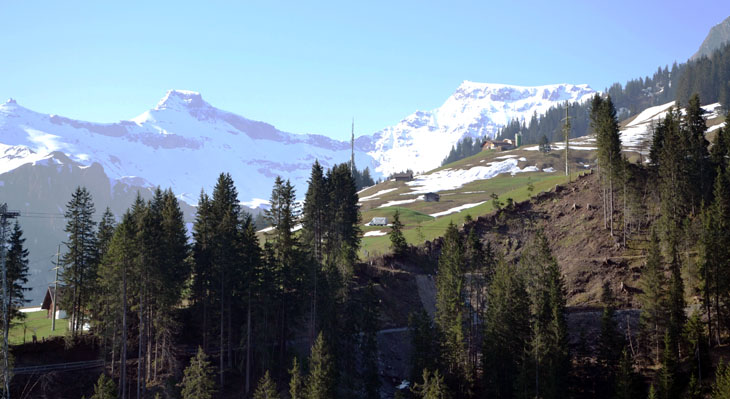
{"x": 668, "y": 387}
{"x": 296, "y": 382}
{"x": 424, "y": 341}
{"x": 699, "y": 168}
{"x": 198, "y": 380}
{"x": 677, "y": 316}
{"x": 79, "y": 262}
{"x": 549, "y": 336}
{"x": 16, "y": 263}
{"x": 450, "y": 311}
{"x": 626, "y": 378}
{"x": 714, "y": 252}
{"x": 507, "y": 331}
{"x": 653, "y": 298}
{"x": 370, "y": 323}
{"x": 321, "y": 382}
{"x": 605, "y": 125}
{"x": 611, "y": 340}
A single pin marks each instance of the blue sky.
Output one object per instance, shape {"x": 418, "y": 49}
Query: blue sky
{"x": 308, "y": 67}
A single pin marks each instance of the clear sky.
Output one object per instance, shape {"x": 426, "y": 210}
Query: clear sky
{"x": 308, "y": 67}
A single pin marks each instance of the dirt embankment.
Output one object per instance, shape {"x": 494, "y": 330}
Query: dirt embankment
{"x": 571, "y": 217}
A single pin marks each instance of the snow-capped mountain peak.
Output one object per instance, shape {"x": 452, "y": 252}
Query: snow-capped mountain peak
{"x": 182, "y": 143}
{"x": 423, "y": 139}
{"x": 181, "y": 99}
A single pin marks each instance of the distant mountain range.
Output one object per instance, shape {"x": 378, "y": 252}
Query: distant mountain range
{"x": 423, "y": 139}
{"x": 184, "y": 142}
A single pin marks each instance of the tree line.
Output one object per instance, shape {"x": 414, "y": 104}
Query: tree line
{"x": 143, "y": 287}
{"x": 706, "y": 76}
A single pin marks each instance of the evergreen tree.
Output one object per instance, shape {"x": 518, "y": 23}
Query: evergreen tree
{"x": 653, "y": 298}
{"x": 425, "y": 353}
{"x": 694, "y": 390}
{"x": 104, "y": 388}
{"x": 698, "y": 160}
{"x": 611, "y": 340}
{"x": 677, "y": 304}
{"x": 398, "y": 243}
{"x": 296, "y": 381}
{"x": 16, "y": 263}
{"x": 714, "y": 252}
{"x": 321, "y": 382}
{"x": 720, "y": 149}
{"x": 433, "y": 386}
{"x": 668, "y": 372}
{"x": 266, "y": 388}
{"x": 507, "y": 331}
{"x": 450, "y": 310}
{"x": 673, "y": 177}
{"x": 549, "y": 340}
{"x": 694, "y": 335}
{"x": 314, "y": 212}
{"x": 198, "y": 380}
{"x": 626, "y": 378}
{"x": 105, "y": 232}
{"x": 605, "y": 125}
{"x": 369, "y": 343}
{"x": 343, "y": 230}
{"x": 79, "y": 262}
{"x": 721, "y": 387}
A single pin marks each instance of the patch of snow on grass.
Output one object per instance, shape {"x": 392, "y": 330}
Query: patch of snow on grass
{"x": 522, "y": 159}
{"x": 506, "y": 156}
{"x": 399, "y": 202}
{"x": 457, "y": 209}
{"x": 450, "y": 179}
{"x": 650, "y": 113}
{"x": 381, "y": 192}
{"x": 716, "y": 127}
{"x": 376, "y": 233}
{"x": 549, "y": 170}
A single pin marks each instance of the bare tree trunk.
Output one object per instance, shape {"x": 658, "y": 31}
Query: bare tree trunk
{"x": 221, "y": 351}
{"x": 123, "y": 363}
{"x": 248, "y": 344}
{"x": 157, "y": 361}
{"x": 140, "y": 345}
{"x": 230, "y": 335}
{"x": 610, "y": 186}
{"x": 149, "y": 337}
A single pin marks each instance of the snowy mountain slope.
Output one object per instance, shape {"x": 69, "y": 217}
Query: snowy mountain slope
{"x": 183, "y": 143}
{"x": 637, "y": 133}
{"x": 423, "y": 139}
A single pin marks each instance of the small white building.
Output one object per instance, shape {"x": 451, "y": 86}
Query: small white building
{"x": 378, "y": 221}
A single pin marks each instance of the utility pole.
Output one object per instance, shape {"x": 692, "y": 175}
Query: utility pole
{"x": 4, "y": 216}
{"x": 352, "y": 149}
{"x": 566, "y": 133}
{"x": 55, "y": 288}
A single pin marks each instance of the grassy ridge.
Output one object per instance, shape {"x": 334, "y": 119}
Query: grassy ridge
{"x": 506, "y": 186}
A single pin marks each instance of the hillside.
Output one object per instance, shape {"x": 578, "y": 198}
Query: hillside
{"x": 466, "y": 186}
